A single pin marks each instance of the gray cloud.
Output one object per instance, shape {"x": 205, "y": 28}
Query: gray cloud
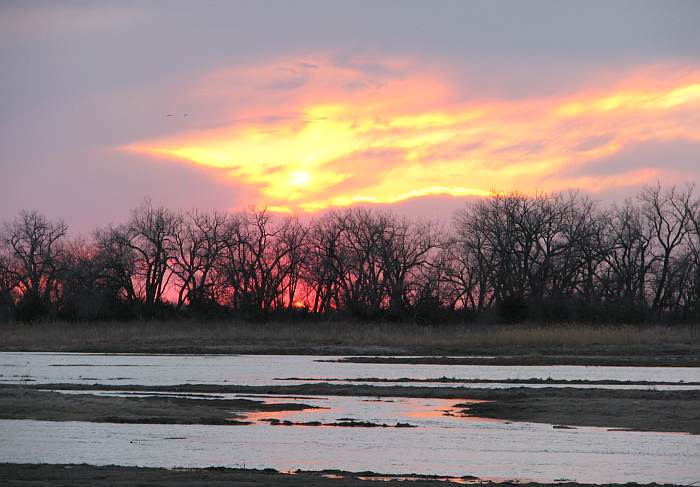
{"x": 677, "y": 155}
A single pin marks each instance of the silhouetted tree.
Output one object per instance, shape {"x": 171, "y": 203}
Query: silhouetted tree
{"x": 35, "y": 253}
{"x": 198, "y": 244}
{"x": 150, "y": 235}
{"x": 546, "y": 256}
{"x": 117, "y": 263}
{"x": 669, "y": 215}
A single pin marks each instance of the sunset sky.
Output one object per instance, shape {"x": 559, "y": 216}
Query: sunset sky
{"x": 302, "y": 106}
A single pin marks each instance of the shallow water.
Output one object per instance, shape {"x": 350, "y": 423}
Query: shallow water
{"x": 439, "y": 444}
{"x": 266, "y": 369}
{"x": 423, "y": 412}
{"x": 485, "y": 449}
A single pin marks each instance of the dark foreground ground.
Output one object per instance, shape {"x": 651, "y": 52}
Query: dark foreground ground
{"x": 642, "y": 410}
{"x": 27, "y": 475}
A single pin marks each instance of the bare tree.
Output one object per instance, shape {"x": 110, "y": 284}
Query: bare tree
{"x": 362, "y": 284}
{"x": 405, "y": 248}
{"x": 148, "y": 239}
{"x": 469, "y": 261}
{"x": 117, "y": 263}
{"x": 325, "y": 264}
{"x": 84, "y": 291}
{"x": 262, "y": 261}
{"x": 692, "y": 294}
{"x": 629, "y": 258}
{"x": 547, "y": 256}
{"x": 293, "y": 248}
{"x": 669, "y": 214}
{"x": 197, "y": 245}
{"x": 35, "y": 255}
{"x": 8, "y": 284}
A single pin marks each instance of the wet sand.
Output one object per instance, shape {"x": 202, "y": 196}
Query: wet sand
{"x": 23, "y": 403}
{"x": 670, "y": 360}
{"x": 456, "y": 380}
{"x": 644, "y": 414}
{"x": 44, "y": 475}
{"x": 642, "y": 410}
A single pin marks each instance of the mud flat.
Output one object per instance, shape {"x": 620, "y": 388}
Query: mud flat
{"x": 456, "y": 380}
{"x": 683, "y": 360}
{"x": 642, "y": 410}
{"x": 23, "y": 403}
{"x": 673, "y": 414}
{"x": 45, "y": 475}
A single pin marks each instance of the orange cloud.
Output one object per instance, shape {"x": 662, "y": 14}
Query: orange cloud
{"x": 329, "y": 132}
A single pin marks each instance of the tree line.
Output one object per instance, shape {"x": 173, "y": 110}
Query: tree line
{"x": 509, "y": 257}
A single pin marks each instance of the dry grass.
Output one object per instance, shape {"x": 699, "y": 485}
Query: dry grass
{"x": 346, "y": 337}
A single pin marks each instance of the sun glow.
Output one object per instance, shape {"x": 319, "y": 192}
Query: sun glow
{"x": 299, "y": 178}
{"x": 319, "y": 134}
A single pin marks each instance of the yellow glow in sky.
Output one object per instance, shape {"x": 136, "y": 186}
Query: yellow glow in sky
{"x": 340, "y": 137}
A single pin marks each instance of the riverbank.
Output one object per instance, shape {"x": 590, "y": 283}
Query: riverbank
{"x": 351, "y": 338}
{"x": 642, "y": 410}
{"x": 49, "y": 475}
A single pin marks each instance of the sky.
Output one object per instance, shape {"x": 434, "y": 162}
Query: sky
{"x": 302, "y": 106}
